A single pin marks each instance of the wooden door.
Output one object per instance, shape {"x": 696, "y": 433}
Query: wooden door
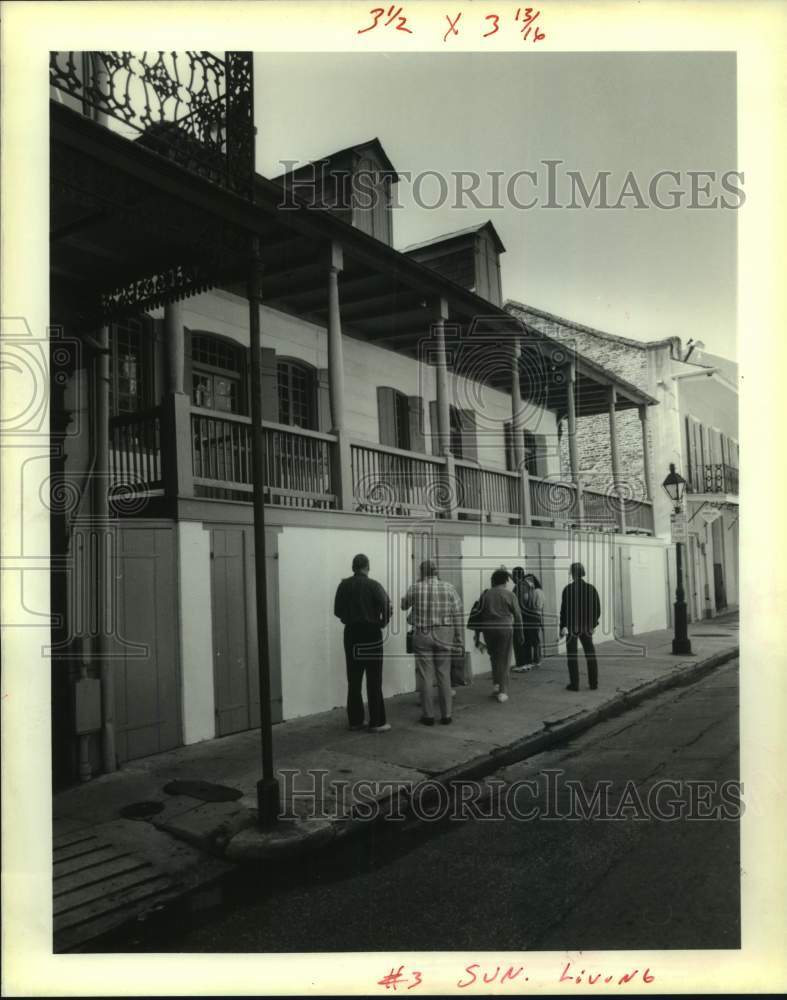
{"x": 145, "y": 652}
{"x": 235, "y": 663}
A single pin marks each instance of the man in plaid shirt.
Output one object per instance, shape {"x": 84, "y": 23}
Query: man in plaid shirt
{"x": 437, "y": 619}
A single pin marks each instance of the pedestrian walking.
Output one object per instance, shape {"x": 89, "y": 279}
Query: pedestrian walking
{"x": 580, "y": 611}
{"x": 364, "y": 608}
{"x": 498, "y": 615}
{"x": 531, "y": 606}
{"x": 437, "y": 618}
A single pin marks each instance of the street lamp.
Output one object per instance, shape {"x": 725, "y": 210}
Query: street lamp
{"x": 675, "y": 486}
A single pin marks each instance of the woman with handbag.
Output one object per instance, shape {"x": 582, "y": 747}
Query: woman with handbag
{"x": 496, "y": 615}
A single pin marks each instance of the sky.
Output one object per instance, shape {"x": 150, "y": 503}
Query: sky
{"x": 645, "y": 273}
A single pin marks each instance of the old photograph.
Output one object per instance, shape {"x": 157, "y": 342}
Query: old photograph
{"x": 381, "y": 463}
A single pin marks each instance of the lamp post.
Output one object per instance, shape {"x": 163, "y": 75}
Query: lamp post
{"x": 674, "y": 486}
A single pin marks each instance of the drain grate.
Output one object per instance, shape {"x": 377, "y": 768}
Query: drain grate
{"x": 204, "y": 790}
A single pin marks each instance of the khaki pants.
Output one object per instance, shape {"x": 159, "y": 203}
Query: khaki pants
{"x": 432, "y": 649}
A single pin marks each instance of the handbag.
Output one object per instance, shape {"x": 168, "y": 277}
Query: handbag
{"x": 475, "y": 621}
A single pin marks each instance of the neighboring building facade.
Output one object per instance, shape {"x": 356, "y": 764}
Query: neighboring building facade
{"x": 404, "y": 414}
{"x": 695, "y": 426}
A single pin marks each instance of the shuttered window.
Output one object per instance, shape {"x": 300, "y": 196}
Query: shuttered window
{"x": 535, "y": 448}
{"x": 400, "y": 419}
{"x": 218, "y": 375}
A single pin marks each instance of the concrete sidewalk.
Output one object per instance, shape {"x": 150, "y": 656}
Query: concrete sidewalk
{"x": 110, "y": 869}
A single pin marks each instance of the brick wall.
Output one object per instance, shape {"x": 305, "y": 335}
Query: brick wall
{"x": 625, "y": 358}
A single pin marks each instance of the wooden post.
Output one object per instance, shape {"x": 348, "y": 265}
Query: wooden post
{"x": 103, "y": 551}
{"x": 443, "y": 410}
{"x": 615, "y": 453}
{"x": 174, "y": 347}
{"x": 643, "y": 416}
{"x": 268, "y": 786}
{"x": 342, "y": 469}
{"x": 518, "y": 434}
{"x": 571, "y": 379}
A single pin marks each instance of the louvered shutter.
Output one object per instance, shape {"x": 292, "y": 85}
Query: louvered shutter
{"x": 415, "y": 409}
{"x": 508, "y": 435}
{"x": 386, "y": 415}
{"x": 270, "y": 385}
{"x": 469, "y": 436}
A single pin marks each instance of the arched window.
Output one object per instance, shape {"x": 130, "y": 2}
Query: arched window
{"x": 218, "y": 374}
{"x": 297, "y": 387}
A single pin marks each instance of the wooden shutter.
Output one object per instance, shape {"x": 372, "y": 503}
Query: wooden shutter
{"x": 539, "y": 456}
{"x": 323, "y": 401}
{"x": 415, "y": 409}
{"x": 270, "y": 385}
{"x": 469, "y": 435}
{"x": 434, "y": 426}
{"x": 531, "y": 454}
{"x": 386, "y": 415}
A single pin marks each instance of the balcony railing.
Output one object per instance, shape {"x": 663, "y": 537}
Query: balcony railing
{"x": 719, "y": 478}
{"x": 135, "y": 461}
{"x": 192, "y": 107}
{"x": 395, "y": 482}
{"x": 297, "y": 462}
{"x": 301, "y": 471}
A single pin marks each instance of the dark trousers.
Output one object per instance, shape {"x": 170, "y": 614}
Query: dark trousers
{"x": 363, "y": 650}
{"x": 573, "y": 660}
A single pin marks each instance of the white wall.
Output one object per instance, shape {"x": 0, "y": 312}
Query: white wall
{"x": 196, "y": 635}
{"x": 647, "y": 569}
{"x": 312, "y": 561}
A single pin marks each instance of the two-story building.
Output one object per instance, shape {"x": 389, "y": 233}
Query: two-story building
{"x": 403, "y": 413}
{"x": 695, "y": 427}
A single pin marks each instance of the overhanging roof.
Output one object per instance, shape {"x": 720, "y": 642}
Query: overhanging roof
{"x": 153, "y": 213}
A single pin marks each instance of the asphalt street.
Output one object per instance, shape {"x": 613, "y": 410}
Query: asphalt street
{"x": 636, "y": 874}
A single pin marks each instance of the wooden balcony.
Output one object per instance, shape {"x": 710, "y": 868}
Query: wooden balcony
{"x": 301, "y": 471}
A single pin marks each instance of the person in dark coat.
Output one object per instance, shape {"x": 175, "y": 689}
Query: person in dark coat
{"x": 580, "y": 611}
{"x": 364, "y": 609}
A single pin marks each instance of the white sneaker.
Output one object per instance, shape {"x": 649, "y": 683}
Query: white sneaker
{"x": 380, "y": 729}
{"x": 502, "y": 697}
{"x": 453, "y": 693}
{"x": 518, "y": 670}
{"x": 495, "y": 689}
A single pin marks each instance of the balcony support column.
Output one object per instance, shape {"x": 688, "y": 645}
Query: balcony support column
{"x": 104, "y": 552}
{"x": 646, "y": 470}
{"x": 571, "y": 382}
{"x": 268, "y": 786}
{"x": 518, "y": 434}
{"x": 444, "y": 413}
{"x": 176, "y": 458}
{"x": 615, "y": 453}
{"x": 342, "y": 467}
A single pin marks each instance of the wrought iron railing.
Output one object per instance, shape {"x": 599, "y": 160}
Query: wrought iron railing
{"x": 195, "y": 108}
{"x": 639, "y": 516}
{"x": 719, "y": 478}
{"x": 600, "y": 509}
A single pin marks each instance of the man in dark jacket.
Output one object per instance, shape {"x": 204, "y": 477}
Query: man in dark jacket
{"x": 580, "y": 611}
{"x": 364, "y": 609}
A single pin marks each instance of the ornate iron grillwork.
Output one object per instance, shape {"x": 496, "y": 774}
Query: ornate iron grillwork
{"x": 192, "y": 107}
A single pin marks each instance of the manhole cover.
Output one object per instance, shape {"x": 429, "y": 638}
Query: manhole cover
{"x": 204, "y": 790}
{"x": 141, "y": 810}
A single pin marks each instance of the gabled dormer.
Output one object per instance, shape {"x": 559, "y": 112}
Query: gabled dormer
{"x": 470, "y": 257}
{"x": 355, "y": 183}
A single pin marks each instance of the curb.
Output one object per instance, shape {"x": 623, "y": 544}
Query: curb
{"x": 292, "y": 839}
{"x": 251, "y": 846}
